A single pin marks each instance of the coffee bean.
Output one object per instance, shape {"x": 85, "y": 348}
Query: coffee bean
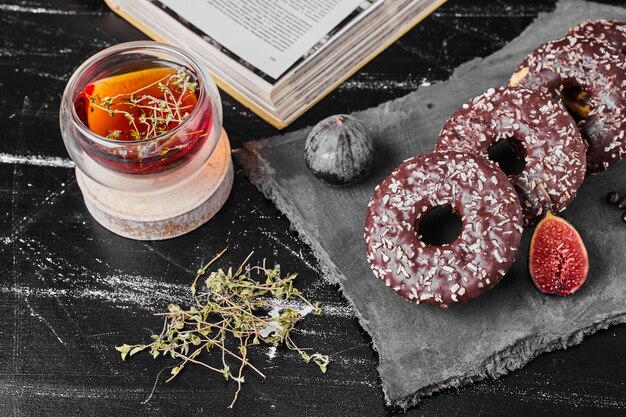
{"x": 612, "y": 197}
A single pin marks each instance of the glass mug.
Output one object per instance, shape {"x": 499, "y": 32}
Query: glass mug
{"x": 168, "y": 175}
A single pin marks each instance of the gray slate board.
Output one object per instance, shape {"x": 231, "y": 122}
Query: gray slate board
{"x": 423, "y": 349}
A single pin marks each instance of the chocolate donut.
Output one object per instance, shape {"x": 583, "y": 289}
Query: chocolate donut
{"x": 546, "y": 137}
{"x": 450, "y": 273}
{"x": 610, "y": 31}
{"x": 596, "y": 68}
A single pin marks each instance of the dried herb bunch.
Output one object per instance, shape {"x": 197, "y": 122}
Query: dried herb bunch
{"x": 149, "y": 116}
{"x": 231, "y": 314}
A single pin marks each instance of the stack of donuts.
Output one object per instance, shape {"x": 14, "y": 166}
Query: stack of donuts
{"x": 564, "y": 112}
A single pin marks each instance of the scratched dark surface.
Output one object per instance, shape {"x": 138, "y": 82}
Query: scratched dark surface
{"x": 70, "y": 290}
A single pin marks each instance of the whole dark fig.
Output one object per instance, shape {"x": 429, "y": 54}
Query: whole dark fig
{"x": 339, "y": 151}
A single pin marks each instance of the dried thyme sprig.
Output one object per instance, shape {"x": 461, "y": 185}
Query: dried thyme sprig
{"x": 156, "y": 115}
{"x": 231, "y": 314}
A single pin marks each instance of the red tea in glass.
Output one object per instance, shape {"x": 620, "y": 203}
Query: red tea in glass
{"x": 146, "y": 107}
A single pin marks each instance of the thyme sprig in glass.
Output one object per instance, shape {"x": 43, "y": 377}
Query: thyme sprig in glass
{"x": 229, "y": 315}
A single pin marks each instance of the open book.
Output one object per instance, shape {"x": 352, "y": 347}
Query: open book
{"x": 277, "y": 57}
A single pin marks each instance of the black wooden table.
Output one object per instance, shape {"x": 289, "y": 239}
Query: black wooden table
{"x": 70, "y": 290}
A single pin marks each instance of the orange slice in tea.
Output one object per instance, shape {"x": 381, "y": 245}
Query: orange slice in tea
{"x": 136, "y": 84}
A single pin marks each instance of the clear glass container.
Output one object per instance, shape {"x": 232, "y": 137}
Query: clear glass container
{"x": 145, "y": 166}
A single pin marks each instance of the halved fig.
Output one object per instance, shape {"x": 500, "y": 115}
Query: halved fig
{"x": 557, "y": 258}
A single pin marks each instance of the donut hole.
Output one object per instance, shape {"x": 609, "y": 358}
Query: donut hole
{"x": 509, "y": 154}
{"x": 576, "y": 101}
{"x": 441, "y": 225}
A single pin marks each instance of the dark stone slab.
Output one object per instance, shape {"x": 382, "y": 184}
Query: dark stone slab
{"x": 421, "y": 349}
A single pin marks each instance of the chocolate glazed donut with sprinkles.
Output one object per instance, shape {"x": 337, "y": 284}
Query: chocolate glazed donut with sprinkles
{"x": 450, "y": 273}
{"x": 598, "y": 70}
{"x": 609, "y": 31}
{"x": 543, "y": 134}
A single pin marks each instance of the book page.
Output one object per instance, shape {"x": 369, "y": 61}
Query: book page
{"x": 271, "y": 35}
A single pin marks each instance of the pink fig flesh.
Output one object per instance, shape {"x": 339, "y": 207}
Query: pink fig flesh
{"x": 557, "y": 258}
